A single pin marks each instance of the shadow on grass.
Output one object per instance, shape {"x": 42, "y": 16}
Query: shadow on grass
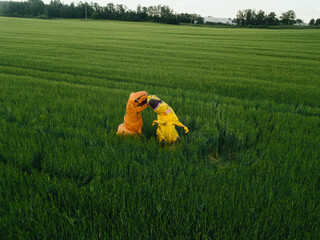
{"x": 225, "y": 148}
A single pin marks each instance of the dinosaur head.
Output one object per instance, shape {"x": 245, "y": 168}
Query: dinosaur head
{"x": 139, "y": 100}
{"x": 154, "y": 101}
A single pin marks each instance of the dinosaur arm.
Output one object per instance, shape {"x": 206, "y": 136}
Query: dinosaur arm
{"x": 159, "y": 122}
{"x": 177, "y": 123}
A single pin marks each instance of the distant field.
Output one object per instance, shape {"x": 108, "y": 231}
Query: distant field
{"x": 248, "y": 169}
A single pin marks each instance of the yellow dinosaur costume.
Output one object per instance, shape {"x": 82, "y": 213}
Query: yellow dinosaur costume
{"x": 132, "y": 120}
{"x": 167, "y": 120}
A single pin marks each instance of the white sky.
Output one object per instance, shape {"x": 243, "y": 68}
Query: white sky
{"x": 304, "y": 9}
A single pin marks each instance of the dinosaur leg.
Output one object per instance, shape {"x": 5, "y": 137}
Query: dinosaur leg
{"x": 161, "y": 136}
{"x": 122, "y": 130}
{"x": 171, "y": 134}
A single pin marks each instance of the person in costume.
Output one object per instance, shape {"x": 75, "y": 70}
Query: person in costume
{"x": 132, "y": 124}
{"x": 166, "y": 120}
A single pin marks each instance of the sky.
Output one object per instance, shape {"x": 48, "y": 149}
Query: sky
{"x": 304, "y": 9}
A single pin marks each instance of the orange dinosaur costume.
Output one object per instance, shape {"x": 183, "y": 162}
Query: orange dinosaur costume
{"x": 132, "y": 120}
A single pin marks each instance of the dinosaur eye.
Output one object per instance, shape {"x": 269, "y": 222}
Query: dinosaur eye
{"x": 136, "y": 100}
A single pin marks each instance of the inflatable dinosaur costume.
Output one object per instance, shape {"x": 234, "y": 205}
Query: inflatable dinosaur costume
{"x": 132, "y": 120}
{"x": 167, "y": 120}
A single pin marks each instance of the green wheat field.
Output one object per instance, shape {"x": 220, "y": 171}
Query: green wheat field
{"x": 248, "y": 169}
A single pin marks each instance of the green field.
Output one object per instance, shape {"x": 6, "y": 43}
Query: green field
{"x": 248, "y": 169}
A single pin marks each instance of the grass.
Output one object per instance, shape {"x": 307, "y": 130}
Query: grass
{"x": 248, "y": 169}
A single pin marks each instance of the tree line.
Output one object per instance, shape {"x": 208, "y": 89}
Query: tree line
{"x": 252, "y": 17}
{"x": 314, "y": 22}
{"x": 160, "y": 13}
{"x": 57, "y": 9}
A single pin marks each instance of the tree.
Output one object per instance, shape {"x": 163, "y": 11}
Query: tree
{"x": 36, "y": 7}
{"x": 250, "y": 16}
{"x": 154, "y": 13}
{"x": 272, "y": 19}
{"x": 121, "y": 9}
{"x": 69, "y": 11}
{"x": 260, "y": 18}
{"x": 240, "y": 18}
{"x": 110, "y": 11}
{"x": 317, "y": 21}
{"x": 54, "y": 8}
{"x": 288, "y": 17}
{"x": 142, "y": 12}
{"x": 193, "y": 18}
{"x": 165, "y": 12}
{"x": 312, "y": 22}
{"x": 200, "y": 20}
